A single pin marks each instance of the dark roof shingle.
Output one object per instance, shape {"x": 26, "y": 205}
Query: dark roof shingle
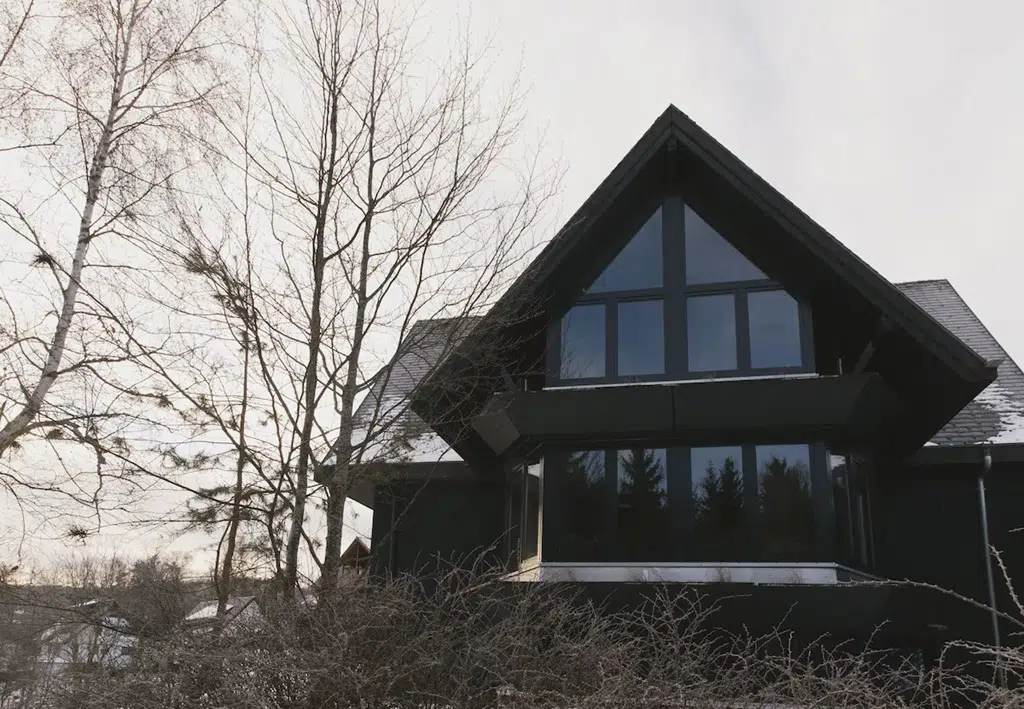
{"x": 397, "y": 433}
{"x": 997, "y": 414}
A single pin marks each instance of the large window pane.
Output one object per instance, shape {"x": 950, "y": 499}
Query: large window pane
{"x": 843, "y": 509}
{"x": 719, "y": 520}
{"x": 849, "y": 500}
{"x": 514, "y": 517}
{"x": 712, "y": 259}
{"x": 711, "y": 333}
{"x": 643, "y": 530}
{"x": 583, "y": 342}
{"x": 531, "y": 521}
{"x": 638, "y": 265}
{"x": 583, "y": 492}
{"x": 785, "y": 510}
{"x": 774, "y": 329}
{"x": 641, "y": 335}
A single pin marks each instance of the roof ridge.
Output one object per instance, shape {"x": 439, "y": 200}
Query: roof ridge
{"x": 924, "y": 280}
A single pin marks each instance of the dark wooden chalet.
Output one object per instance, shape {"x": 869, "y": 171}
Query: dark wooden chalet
{"x": 695, "y": 383}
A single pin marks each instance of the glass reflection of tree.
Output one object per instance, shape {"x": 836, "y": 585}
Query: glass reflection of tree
{"x": 786, "y": 513}
{"x": 583, "y": 487}
{"x": 643, "y": 502}
{"x": 718, "y": 511}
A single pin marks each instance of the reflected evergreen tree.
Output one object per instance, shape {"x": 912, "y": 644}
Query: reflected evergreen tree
{"x": 642, "y": 480}
{"x": 719, "y": 511}
{"x": 582, "y": 506}
{"x": 786, "y": 511}
{"x": 643, "y": 514}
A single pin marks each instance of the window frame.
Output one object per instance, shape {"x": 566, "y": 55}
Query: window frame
{"x": 674, "y": 293}
{"x": 681, "y": 504}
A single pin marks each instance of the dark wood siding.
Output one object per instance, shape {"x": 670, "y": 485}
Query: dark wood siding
{"x": 926, "y": 528}
{"x": 418, "y": 526}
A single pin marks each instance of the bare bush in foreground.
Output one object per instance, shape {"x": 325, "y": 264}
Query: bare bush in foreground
{"x": 473, "y": 641}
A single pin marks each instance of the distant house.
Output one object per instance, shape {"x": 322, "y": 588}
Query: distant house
{"x": 240, "y": 613}
{"x": 694, "y": 383}
{"x": 355, "y": 560}
{"x": 89, "y": 636}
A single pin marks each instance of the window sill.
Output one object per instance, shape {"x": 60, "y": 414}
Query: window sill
{"x": 755, "y": 573}
{"x": 591, "y": 384}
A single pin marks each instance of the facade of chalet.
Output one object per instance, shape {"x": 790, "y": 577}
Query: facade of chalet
{"x": 694, "y": 383}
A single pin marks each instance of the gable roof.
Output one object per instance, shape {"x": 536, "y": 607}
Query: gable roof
{"x": 996, "y": 415}
{"x": 673, "y": 145}
{"x": 357, "y": 553}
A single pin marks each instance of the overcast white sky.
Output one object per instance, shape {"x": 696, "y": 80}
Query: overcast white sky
{"x": 895, "y": 125}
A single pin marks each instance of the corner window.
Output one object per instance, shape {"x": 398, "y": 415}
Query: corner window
{"x": 849, "y": 476}
{"x": 531, "y": 515}
{"x": 583, "y": 342}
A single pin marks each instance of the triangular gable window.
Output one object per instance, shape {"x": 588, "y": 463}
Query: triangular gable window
{"x": 734, "y": 320}
{"x": 712, "y": 259}
{"x": 638, "y": 266}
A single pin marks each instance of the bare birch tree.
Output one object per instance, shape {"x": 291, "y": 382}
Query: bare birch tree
{"x": 14, "y": 23}
{"x": 376, "y": 186}
{"x": 106, "y": 100}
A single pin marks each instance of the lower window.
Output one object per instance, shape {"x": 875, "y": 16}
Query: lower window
{"x": 741, "y": 503}
{"x": 642, "y": 522}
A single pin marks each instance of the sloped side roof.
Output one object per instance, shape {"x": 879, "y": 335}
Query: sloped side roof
{"x": 997, "y": 414}
{"x": 386, "y": 408}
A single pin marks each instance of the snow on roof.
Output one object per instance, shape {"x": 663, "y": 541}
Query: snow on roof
{"x": 997, "y": 414}
{"x": 207, "y": 609}
{"x": 399, "y": 436}
{"x": 1008, "y": 408}
{"x": 429, "y": 448}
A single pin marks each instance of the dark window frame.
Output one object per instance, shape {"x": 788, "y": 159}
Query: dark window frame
{"x": 674, "y": 293}
{"x": 680, "y": 483}
{"x": 517, "y": 509}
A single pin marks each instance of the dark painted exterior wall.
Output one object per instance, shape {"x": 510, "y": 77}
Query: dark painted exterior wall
{"x": 925, "y": 522}
{"x": 417, "y": 525}
{"x": 927, "y": 529}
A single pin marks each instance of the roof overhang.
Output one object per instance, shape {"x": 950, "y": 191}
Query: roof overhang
{"x": 970, "y": 456}
{"x": 928, "y": 367}
{"x": 851, "y": 410}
